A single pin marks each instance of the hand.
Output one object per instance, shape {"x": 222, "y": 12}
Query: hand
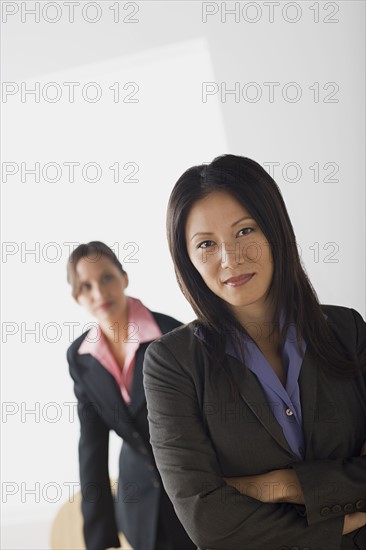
{"x": 353, "y": 521}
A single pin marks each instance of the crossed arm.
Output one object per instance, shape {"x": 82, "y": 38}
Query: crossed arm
{"x": 272, "y": 487}
{"x": 280, "y": 486}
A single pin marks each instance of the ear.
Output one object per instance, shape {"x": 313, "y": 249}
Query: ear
{"x": 126, "y": 280}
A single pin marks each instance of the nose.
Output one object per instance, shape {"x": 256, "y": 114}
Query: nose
{"x": 230, "y": 255}
{"x": 97, "y": 293}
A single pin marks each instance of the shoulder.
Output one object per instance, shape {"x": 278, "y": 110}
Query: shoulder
{"x": 165, "y": 322}
{"x": 347, "y": 322}
{"x": 181, "y": 335}
{"x": 180, "y": 344}
{"x": 177, "y": 358}
{"x": 342, "y": 316}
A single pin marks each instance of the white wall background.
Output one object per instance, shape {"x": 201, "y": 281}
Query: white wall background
{"x": 169, "y": 52}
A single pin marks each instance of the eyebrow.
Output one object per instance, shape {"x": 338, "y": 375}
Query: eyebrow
{"x": 232, "y": 225}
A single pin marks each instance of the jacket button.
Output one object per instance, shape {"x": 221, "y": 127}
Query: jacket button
{"x": 294, "y": 548}
{"x": 348, "y": 507}
{"x": 336, "y": 508}
{"x": 324, "y": 511}
{"x": 150, "y": 468}
{"x": 360, "y": 504}
{"x": 283, "y": 548}
{"x": 289, "y": 412}
{"x": 156, "y": 484}
{"x": 135, "y": 434}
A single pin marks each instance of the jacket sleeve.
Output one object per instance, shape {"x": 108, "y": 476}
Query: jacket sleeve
{"x": 347, "y": 476}
{"x": 99, "y": 527}
{"x": 215, "y": 515}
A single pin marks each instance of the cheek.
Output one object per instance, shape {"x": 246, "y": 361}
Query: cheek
{"x": 252, "y": 253}
{"x": 116, "y": 287}
{"x": 255, "y": 252}
{"x": 199, "y": 264}
{"x": 84, "y": 302}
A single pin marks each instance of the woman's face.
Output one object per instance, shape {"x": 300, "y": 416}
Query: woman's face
{"x": 230, "y": 252}
{"x": 102, "y": 288}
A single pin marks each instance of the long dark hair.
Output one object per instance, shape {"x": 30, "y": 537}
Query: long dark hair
{"x": 92, "y": 251}
{"x": 290, "y": 290}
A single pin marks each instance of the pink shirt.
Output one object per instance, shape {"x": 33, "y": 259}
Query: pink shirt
{"x": 142, "y": 328}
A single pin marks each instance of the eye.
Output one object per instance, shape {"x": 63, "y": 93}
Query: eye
{"x": 84, "y": 287}
{"x": 206, "y": 244}
{"x": 245, "y": 229}
{"x": 107, "y": 277}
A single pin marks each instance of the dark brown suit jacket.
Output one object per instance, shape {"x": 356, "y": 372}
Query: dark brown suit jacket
{"x": 200, "y": 433}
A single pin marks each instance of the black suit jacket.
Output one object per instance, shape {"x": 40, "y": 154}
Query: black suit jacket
{"x": 200, "y": 433}
{"x": 141, "y": 501}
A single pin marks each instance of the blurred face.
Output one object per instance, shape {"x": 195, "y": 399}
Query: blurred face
{"x": 102, "y": 288}
{"x": 230, "y": 252}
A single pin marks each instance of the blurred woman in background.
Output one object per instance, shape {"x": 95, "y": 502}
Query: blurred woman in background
{"x": 106, "y": 366}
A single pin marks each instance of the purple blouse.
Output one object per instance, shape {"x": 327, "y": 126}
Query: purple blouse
{"x": 285, "y": 401}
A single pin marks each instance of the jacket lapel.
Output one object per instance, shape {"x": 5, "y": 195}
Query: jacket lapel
{"x": 308, "y": 383}
{"x": 138, "y": 398}
{"x": 252, "y": 393}
{"x": 105, "y": 390}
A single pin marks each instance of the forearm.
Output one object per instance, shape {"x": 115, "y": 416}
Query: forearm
{"x": 99, "y": 523}
{"x": 272, "y": 487}
{"x": 327, "y": 488}
{"x": 283, "y": 486}
{"x": 275, "y": 486}
{"x": 332, "y": 487}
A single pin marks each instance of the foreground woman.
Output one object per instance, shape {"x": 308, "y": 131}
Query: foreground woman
{"x": 257, "y": 409}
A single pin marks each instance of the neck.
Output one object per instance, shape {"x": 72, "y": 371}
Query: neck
{"x": 258, "y": 323}
{"x": 115, "y": 330}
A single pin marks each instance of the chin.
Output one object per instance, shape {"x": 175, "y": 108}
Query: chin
{"x": 106, "y": 315}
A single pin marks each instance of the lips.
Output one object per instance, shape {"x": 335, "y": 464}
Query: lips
{"x": 106, "y": 305}
{"x": 240, "y": 280}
